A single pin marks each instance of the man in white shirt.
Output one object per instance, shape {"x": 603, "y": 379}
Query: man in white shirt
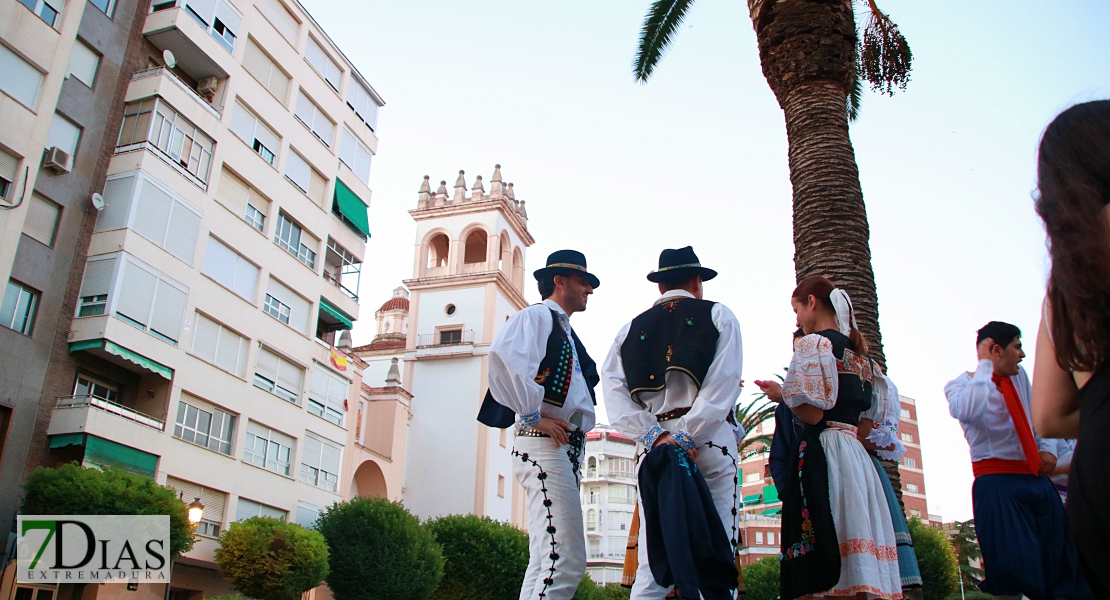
{"x": 672, "y": 376}
{"x": 541, "y": 378}
{"x": 1019, "y": 519}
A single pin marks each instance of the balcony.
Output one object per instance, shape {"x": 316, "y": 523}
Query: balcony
{"x": 342, "y": 269}
{"x": 95, "y": 431}
{"x": 171, "y": 28}
{"x": 112, "y": 408}
{"x": 167, "y": 78}
{"x": 445, "y": 338}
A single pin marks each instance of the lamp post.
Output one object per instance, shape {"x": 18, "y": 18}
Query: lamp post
{"x": 196, "y": 513}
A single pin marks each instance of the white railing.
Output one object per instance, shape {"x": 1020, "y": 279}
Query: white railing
{"x": 111, "y": 407}
{"x": 156, "y": 71}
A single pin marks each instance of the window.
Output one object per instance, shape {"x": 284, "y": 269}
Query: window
{"x": 278, "y": 376}
{"x": 438, "y": 251}
{"x": 770, "y": 538}
{"x": 201, "y": 423}
{"x": 212, "y": 500}
{"x": 759, "y": 538}
{"x": 314, "y": 118}
{"x": 621, "y": 493}
{"x": 320, "y": 464}
{"x": 41, "y": 222}
{"x": 904, "y": 413}
{"x": 591, "y": 520}
{"x": 363, "y": 103}
{"x": 282, "y": 20}
{"x": 90, "y": 387}
{"x": 751, "y": 477}
{"x": 906, "y": 437}
{"x": 230, "y": 270}
{"x": 83, "y": 62}
{"x": 93, "y": 299}
{"x": 245, "y": 200}
{"x": 915, "y": 513}
{"x": 449, "y": 337}
{"x": 286, "y": 306}
{"x": 218, "y": 17}
{"x": 307, "y": 515}
{"x": 265, "y": 70}
{"x": 355, "y": 155}
{"x": 267, "y": 448}
{"x": 32, "y": 593}
{"x": 501, "y": 484}
{"x": 159, "y": 126}
{"x": 327, "y": 395}
{"x": 142, "y": 203}
{"x": 342, "y": 269}
{"x": 18, "y": 78}
{"x": 151, "y": 301}
{"x": 324, "y": 65}
{"x": 912, "y": 487}
{"x": 9, "y": 164}
{"x": 105, "y": 6}
{"x": 246, "y": 509}
{"x": 214, "y": 343}
{"x": 909, "y": 462}
{"x": 305, "y": 177}
{"x": 289, "y": 236}
{"x": 251, "y": 130}
{"x": 17, "y": 312}
{"x": 48, "y": 11}
{"x": 64, "y": 134}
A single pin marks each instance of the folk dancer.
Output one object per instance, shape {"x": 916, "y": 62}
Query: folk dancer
{"x": 837, "y": 537}
{"x": 541, "y": 378}
{"x": 672, "y": 376}
{"x": 1019, "y": 518}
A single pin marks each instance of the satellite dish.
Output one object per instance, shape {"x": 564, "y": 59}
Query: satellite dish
{"x": 98, "y": 201}
{"x": 169, "y": 59}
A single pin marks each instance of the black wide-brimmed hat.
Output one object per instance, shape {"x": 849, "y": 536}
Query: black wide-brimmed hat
{"x": 567, "y": 262}
{"x": 677, "y": 265}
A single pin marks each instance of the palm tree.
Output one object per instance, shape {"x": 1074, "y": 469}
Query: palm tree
{"x": 750, "y": 417}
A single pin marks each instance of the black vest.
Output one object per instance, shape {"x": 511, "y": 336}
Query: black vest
{"x": 675, "y": 335}
{"x": 554, "y": 375}
{"x": 854, "y": 380}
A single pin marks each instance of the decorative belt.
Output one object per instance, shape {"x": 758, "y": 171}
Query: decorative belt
{"x": 1000, "y": 466}
{"x": 529, "y": 432}
{"x": 672, "y": 414}
{"x": 846, "y": 428}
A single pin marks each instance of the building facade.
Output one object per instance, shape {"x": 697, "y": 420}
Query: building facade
{"x": 608, "y": 501}
{"x": 220, "y": 273}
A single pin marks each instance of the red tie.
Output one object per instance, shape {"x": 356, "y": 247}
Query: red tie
{"x": 1021, "y": 422}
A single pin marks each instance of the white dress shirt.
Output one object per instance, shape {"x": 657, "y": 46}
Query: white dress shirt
{"x": 514, "y": 360}
{"x": 635, "y": 417}
{"x": 981, "y": 409}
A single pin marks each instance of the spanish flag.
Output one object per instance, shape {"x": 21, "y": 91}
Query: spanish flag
{"x": 338, "y": 360}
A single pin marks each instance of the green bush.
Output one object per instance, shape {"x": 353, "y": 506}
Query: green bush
{"x": 483, "y": 559}
{"x": 74, "y": 490}
{"x": 761, "y": 579}
{"x": 270, "y": 559}
{"x": 379, "y": 551}
{"x": 588, "y": 590}
{"x": 936, "y": 559}
{"x": 615, "y": 591}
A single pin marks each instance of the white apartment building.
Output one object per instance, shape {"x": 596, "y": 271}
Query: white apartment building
{"x": 608, "y": 501}
{"x": 221, "y": 269}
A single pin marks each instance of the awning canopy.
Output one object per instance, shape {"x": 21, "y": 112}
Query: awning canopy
{"x": 770, "y": 494}
{"x": 351, "y": 208}
{"x": 106, "y": 453}
{"x": 771, "y": 511}
{"x": 343, "y": 320}
{"x": 128, "y": 355}
{"x": 753, "y": 499}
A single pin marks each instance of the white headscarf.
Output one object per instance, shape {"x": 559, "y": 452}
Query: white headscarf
{"x": 842, "y": 305}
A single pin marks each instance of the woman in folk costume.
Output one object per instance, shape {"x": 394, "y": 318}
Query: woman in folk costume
{"x": 837, "y": 536}
{"x": 878, "y": 432}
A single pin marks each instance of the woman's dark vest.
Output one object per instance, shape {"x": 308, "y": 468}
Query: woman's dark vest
{"x": 675, "y": 335}
{"x": 810, "y": 552}
{"x": 554, "y": 375}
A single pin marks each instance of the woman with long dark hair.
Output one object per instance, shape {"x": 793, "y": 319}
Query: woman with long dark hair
{"x": 1071, "y": 378}
{"x": 837, "y": 537}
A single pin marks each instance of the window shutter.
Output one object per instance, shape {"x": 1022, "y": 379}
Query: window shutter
{"x": 136, "y": 293}
{"x": 259, "y": 430}
{"x": 317, "y": 186}
{"x": 118, "y": 195}
{"x": 21, "y": 80}
{"x": 229, "y": 16}
{"x": 8, "y": 166}
{"x": 213, "y": 502}
{"x": 330, "y": 458}
{"x": 279, "y": 291}
{"x": 82, "y": 63}
{"x": 290, "y": 376}
{"x": 203, "y": 9}
{"x": 347, "y": 151}
{"x": 186, "y": 491}
{"x": 230, "y": 350}
{"x": 298, "y": 171}
{"x": 152, "y": 216}
{"x": 243, "y": 123}
{"x": 98, "y": 277}
{"x": 305, "y": 108}
{"x": 319, "y": 384}
{"x": 299, "y": 309}
{"x": 267, "y": 364}
{"x": 281, "y": 438}
{"x": 246, "y": 509}
{"x": 233, "y": 190}
{"x": 269, "y": 511}
{"x": 169, "y": 310}
{"x": 312, "y": 449}
{"x": 205, "y": 336}
{"x": 337, "y": 393}
{"x": 246, "y": 279}
{"x": 63, "y": 134}
{"x": 281, "y": 18}
{"x": 316, "y": 56}
{"x": 219, "y": 262}
{"x": 41, "y": 221}
{"x": 257, "y": 63}
{"x": 184, "y": 227}
{"x": 267, "y": 137}
{"x": 204, "y": 405}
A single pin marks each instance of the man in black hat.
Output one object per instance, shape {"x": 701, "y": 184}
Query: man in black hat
{"x": 542, "y": 379}
{"x": 673, "y": 377}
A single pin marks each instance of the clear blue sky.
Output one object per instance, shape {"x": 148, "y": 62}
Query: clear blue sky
{"x": 698, "y": 156}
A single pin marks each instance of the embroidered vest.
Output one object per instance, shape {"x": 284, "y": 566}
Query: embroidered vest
{"x": 855, "y": 373}
{"x": 675, "y": 335}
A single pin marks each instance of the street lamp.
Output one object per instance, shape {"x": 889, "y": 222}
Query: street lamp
{"x": 196, "y": 511}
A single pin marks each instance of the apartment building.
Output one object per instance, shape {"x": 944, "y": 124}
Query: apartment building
{"x": 64, "y": 67}
{"x": 608, "y": 501}
{"x": 219, "y": 274}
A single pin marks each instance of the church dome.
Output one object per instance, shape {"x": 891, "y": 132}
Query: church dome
{"x": 395, "y": 304}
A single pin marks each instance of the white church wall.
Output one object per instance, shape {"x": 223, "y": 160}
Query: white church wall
{"x": 469, "y": 310}
{"x": 500, "y": 465}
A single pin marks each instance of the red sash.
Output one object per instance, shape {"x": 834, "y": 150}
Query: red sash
{"x": 1032, "y": 463}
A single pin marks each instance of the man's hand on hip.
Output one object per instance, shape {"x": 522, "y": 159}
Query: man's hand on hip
{"x": 554, "y": 428}
{"x": 666, "y": 438}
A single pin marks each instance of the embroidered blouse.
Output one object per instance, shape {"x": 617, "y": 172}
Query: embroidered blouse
{"x": 812, "y": 376}
{"x": 885, "y": 411}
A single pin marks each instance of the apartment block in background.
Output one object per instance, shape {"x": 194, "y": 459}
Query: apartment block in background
{"x": 608, "y": 501}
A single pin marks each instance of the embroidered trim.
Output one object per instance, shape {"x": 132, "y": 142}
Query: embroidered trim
{"x": 670, "y": 304}
{"x": 530, "y": 419}
{"x": 735, "y": 490}
{"x": 554, "y": 556}
{"x": 856, "y": 365}
{"x": 867, "y": 546}
{"x": 684, "y": 461}
{"x": 859, "y": 589}
{"x": 685, "y": 266}
{"x": 684, "y": 440}
{"x": 809, "y": 538}
{"x": 652, "y": 434}
{"x": 567, "y": 266}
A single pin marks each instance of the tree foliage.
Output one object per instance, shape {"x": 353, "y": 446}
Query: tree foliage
{"x": 749, "y": 417}
{"x": 588, "y": 590}
{"x": 270, "y": 559}
{"x": 761, "y": 579}
{"x": 615, "y": 591}
{"x": 936, "y": 560}
{"x": 966, "y": 545}
{"x": 379, "y": 551}
{"x": 75, "y": 490}
{"x": 483, "y": 559}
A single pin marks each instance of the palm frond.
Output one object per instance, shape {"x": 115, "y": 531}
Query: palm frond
{"x": 660, "y": 25}
{"x": 883, "y": 56}
{"x": 744, "y": 448}
{"x": 855, "y": 99}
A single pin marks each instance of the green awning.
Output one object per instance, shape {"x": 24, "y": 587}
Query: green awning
{"x": 124, "y": 353}
{"x": 67, "y": 439}
{"x": 753, "y": 499}
{"x": 352, "y": 208}
{"x": 108, "y": 453}
{"x": 771, "y": 511}
{"x": 770, "y": 494}
{"x": 338, "y": 315}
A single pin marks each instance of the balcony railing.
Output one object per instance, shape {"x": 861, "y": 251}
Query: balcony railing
{"x": 454, "y": 337}
{"x": 156, "y": 71}
{"x": 111, "y": 407}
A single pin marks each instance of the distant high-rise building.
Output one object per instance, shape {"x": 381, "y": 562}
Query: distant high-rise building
{"x": 608, "y": 501}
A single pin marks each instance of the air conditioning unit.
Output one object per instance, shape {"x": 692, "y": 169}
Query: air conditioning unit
{"x": 207, "y": 86}
{"x": 56, "y": 161}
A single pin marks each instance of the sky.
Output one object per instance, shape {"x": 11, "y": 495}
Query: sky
{"x": 697, "y": 156}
